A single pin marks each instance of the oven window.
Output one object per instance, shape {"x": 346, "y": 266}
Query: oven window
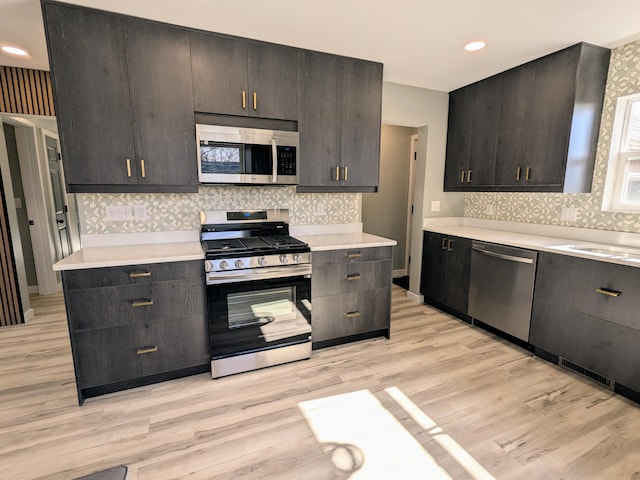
{"x": 220, "y": 158}
{"x": 261, "y": 307}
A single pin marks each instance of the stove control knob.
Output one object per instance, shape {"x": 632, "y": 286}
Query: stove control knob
{"x": 262, "y": 261}
{"x": 284, "y": 259}
{"x": 208, "y": 266}
{"x": 239, "y": 264}
{"x": 297, "y": 258}
{"x": 224, "y": 265}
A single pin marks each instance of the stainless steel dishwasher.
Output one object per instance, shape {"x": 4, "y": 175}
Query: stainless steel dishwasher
{"x": 501, "y": 287}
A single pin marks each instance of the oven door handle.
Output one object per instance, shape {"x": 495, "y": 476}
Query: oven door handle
{"x": 215, "y": 278}
{"x": 274, "y": 155}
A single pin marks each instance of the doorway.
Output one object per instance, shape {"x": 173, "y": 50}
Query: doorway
{"x": 48, "y": 226}
{"x": 388, "y": 212}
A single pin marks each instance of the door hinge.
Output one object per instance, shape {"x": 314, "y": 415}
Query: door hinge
{"x": 59, "y": 157}
{"x": 411, "y": 209}
{"x": 409, "y": 262}
{"x": 415, "y": 155}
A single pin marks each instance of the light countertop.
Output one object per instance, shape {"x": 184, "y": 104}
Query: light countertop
{"x": 113, "y": 256}
{"x": 337, "y": 241}
{"x": 544, "y": 243}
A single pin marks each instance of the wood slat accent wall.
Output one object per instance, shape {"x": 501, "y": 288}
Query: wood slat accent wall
{"x": 27, "y": 91}
{"x": 10, "y": 308}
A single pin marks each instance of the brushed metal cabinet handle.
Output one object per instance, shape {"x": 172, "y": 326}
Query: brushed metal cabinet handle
{"x": 337, "y": 172}
{"x": 462, "y": 176}
{"x": 352, "y": 314}
{"x": 129, "y": 167}
{"x": 346, "y": 174}
{"x": 144, "y": 172}
{"x": 354, "y": 255}
{"x": 139, "y": 274}
{"x": 449, "y": 245}
{"x": 244, "y": 99}
{"x": 518, "y": 174}
{"x": 468, "y": 176}
{"x": 353, "y": 277}
{"x": 255, "y": 101}
{"x": 527, "y": 173}
{"x": 444, "y": 243}
{"x": 142, "y": 303}
{"x": 608, "y": 292}
{"x": 143, "y": 350}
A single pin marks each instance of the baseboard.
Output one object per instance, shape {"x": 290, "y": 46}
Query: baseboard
{"x": 28, "y": 315}
{"x": 400, "y": 273}
{"x": 414, "y": 297}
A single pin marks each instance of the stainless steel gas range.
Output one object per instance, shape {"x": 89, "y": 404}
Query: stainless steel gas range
{"x": 258, "y": 290}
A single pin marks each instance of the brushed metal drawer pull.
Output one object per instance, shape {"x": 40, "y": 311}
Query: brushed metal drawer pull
{"x": 142, "y": 169}
{"x": 449, "y": 245}
{"x": 142, "y": 303}
{"x": 244, "y": 99}
{"x": 352, "y": 314}
{"x": 139, "y": 274}
{"x": 444, "y": 243}
{"x": 129, "y": 167}
{"x": 143, "y": 350}
{"x": 354, "y": 255}
{"x": 346, "y": 174}
{"x": 468, "y": 176}
{"x": 527, "y": 174}
{"x": 518, "y": 174}
{"x": 462, "y": 176}
{"x": 609, "y": 292}
{"x": 337, "y": 173}
{"x": 255, "y": 101}
{"x": 353, "y": 277}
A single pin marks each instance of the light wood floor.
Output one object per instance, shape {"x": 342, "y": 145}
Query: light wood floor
{"x": 515, "y": 415}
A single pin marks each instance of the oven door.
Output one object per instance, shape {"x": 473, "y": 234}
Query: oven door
{"x": 252, "y": 316}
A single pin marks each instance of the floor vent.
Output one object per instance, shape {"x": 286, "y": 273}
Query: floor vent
{"x": 586, "y": 373}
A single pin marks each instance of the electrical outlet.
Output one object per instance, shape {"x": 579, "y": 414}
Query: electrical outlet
{"x": 320, "y": 210}
{"x": 140, "y": 213}
{"x": 435, "y": 206}
{"x": 117, "y": 213}
{"x": 569, "y": 214}
{"x": 488, "y": 210}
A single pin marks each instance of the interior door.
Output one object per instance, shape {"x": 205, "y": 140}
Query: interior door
{"x": 61, "y": 227}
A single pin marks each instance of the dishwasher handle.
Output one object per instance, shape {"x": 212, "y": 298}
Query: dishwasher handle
{"x": 502, "y": 256}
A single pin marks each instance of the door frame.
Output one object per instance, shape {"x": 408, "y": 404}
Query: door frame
{"x": 412, "y": 173}
{"x": 37, "y": 191}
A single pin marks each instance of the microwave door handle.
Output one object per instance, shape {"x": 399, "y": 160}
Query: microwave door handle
{"x": 274, "y": 155}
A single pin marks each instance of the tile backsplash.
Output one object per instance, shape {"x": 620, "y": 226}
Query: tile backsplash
{"x": 545, "y": 208}
{"x": 180, "y": 211}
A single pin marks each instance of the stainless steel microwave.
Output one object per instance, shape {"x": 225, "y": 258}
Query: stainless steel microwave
{"x": 246, "y": 155}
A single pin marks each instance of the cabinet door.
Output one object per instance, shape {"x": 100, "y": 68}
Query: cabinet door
{"x": 484, "y": 132}
{"x": 220, "y": 74}
{"x": 273, "y": 79}
{"x": 319, "y": 126}
{"x": 513, "y": 126}
{"x": 456, "y": 284}
{"x": 432, "y": 283}
{"x": 360, "y": 123}
{"x": 89, "y": 72}
{"x": 162, "y": 101}
{"x": 459, "y": 137}
{"x": 551, "y": 115}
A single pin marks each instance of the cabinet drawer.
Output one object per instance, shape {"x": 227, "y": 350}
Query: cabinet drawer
{"x": 126, "y": 305}
{"x": 351, "y": 255}
{"x": 350, "y": 314}
{"x": 350, "y": 277}
{"x": 604, "y": 347}
{"x": 582, "y": 285}
{"x": 112, "y": 355}
{"x": 131, "y": 274}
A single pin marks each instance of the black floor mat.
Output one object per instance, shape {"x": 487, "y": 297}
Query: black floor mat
{"x": 402, "y": 282}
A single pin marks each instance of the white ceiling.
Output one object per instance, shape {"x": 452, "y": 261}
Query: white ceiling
{"x": 419, "y": 41}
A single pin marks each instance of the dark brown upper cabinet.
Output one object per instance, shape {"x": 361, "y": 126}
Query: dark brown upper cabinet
{"x": 532, "y": 128}
{"x": 123, "y": 101}
{"x": 233, "y": 76}
{"x": 340, "y": 109}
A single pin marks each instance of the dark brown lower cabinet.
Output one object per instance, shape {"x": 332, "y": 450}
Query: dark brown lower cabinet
{"x": 351, "y": 295}
{"x": 134, "y": 325}
{"x": 586, "y": 312}
{"x": 446, "y": 261}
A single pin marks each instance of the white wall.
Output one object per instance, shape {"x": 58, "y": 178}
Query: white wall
{"x": 426, "y": 110}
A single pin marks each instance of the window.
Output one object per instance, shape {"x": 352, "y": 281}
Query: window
{"x": 622, "y": 190}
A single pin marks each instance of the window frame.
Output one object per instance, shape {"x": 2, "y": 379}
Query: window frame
{"x": 617, "y": 175}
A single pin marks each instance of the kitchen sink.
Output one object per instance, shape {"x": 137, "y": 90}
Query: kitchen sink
{"x": 609, "y": 251}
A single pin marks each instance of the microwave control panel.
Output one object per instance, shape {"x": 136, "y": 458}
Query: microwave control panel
{"x": 286, "y": 160}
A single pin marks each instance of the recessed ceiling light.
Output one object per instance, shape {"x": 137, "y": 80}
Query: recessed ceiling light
{"x": 476, "y": 45}
{"x": 14, "y": 51}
